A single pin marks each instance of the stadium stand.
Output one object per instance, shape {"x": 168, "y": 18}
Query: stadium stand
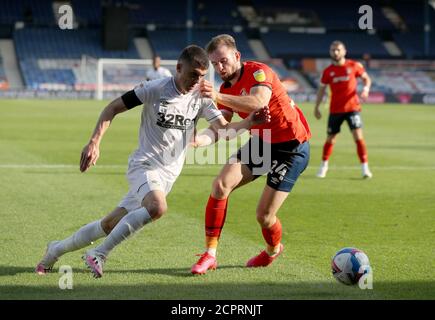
{"x": 64, "y": 49}
{"x": 288, "y": 32}
{"x": 3, "y": 81}
{"x": 37, "y": 12}
{"x": 288, "y": 45}
{"x": 319, "y": 13}
{"x": 169, "y": 43}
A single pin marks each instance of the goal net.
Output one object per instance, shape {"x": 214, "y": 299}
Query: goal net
{"x": 116, "y": 76}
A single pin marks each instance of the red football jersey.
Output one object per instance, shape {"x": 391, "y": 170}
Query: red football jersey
{"x": 343, "y": 84}
{"x": 287, "y": 120}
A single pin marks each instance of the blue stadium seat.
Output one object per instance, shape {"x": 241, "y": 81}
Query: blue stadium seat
{"x": 41, "y": 11}
{"x": 35, "y": 44}
{"x": 287, "y": 45}
{"x": 169, "y": 43}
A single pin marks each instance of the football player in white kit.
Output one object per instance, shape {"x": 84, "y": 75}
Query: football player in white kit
{"x": 157, "y": 71}
{"x": 171, "y": 108}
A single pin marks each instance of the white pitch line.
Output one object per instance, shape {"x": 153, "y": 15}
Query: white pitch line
{"x": 197, "y": 166}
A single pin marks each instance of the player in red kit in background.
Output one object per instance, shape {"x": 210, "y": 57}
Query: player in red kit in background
{"x": 342, "y": 76}
{"x": 249, "y": 86}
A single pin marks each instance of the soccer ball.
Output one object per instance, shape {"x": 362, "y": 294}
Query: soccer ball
{"x": 349, "y": 265}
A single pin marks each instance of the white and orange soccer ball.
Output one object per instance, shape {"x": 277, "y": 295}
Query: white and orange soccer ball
{"x": 349, "y": 265}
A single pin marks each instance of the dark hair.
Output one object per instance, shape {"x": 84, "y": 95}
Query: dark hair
{"x": 222, "y": 39}
{"x": 195, "y": 56}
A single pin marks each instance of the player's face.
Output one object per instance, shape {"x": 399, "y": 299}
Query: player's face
{"x": 226, "y": 62}
{"x": 337, "y": 52}
{"x": 189, "y": 76}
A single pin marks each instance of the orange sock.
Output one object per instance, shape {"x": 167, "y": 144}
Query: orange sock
{"x": 273, "y": 237}
{"x": 327, "y": 151}
{"x": 215, "y": 215}
{"x": 362, "y": 151}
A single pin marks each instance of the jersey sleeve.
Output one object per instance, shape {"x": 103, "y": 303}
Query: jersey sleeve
{"x": 209, "y": 111}
{"x": 262, "y": 76}
{"x": 359, "y": 69}
{"x": 325, "y": 79}
{"x": 142, "y": 91}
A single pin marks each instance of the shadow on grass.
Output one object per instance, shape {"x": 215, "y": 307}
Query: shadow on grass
{"x": 205, "y": 287}
{"x": 75, "y": 172}
{"x": 174, "y": 272}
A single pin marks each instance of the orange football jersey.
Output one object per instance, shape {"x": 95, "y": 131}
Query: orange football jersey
{"x": 287, "y": 120}
{"x": 343, "y": 83}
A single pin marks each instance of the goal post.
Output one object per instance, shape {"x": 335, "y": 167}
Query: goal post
{"x": 114, "y": 75}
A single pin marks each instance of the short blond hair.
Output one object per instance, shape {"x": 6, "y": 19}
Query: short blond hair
{"x": 222, "y": 39}
{"x": 337, "y": 43}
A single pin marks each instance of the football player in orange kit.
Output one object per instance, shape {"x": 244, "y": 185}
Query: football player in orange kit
{"x": 283, "y": 143}
{"x": 342, "y": 76}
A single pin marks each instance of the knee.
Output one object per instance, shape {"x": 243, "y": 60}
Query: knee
{"x": 157, "y": 209}
{"x": 108, "y": 224}
{"x": 331, "y": 139}
{"x": 220, "y": 190}
{"x": 265, "y": 218}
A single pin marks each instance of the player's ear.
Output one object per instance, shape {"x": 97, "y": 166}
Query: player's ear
{"x": 178, "y": 67}
{"x": 238, "y": 55}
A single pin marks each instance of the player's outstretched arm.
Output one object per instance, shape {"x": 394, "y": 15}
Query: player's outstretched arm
{"x": 91, "y": 151}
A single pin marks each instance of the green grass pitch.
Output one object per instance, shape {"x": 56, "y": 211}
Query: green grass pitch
{"x": 391, "y": 217}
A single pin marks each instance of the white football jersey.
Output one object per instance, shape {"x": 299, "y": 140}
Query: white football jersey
{"x": 161, "y": 72}
{"x": 168, "y": 121}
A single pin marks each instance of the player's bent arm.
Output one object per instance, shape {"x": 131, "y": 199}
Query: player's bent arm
{"x": 91, "y": 152}
{"x": 258, "y": 97}
{"x": 209, "y": 136}
{"x": 106, "y": 117}
{"x": 229, "y": 130}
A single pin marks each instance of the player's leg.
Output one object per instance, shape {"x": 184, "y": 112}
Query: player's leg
{"x": 153, "y": 207}
{"x": 327, "y": 151}
{"x": 80, "y": 239}
{"x": 145, "y": 202}
{"x": 334, "y": 124}
{"x": 232, "y": 175}
{"x": 280, "y": 181}
{"x": 355, "y": 123}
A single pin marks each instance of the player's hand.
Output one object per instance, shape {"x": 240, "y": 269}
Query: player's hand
{"x": 260, "y": 116}
{"x": 193, "y": 144}
{"x": 364, "y": 95}
{"x": 317, "y": 113}
{"x": 90, "y": 155}
{"x": 206, "y": 90}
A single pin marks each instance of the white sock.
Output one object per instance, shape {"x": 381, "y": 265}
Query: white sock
{"x": 365, "y": 166}
{"x": 128, "y": 225}
{"x": 211, "y": 251}
{"x": 81, "y": 238}
{"x": 324, "y": 163}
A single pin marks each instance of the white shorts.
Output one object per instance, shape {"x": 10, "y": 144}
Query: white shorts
{"x": 142, "y": 179}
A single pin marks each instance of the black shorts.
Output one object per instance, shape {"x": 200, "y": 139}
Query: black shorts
{"x": 335, "y": 120}
{"x": 283, "y": 162}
